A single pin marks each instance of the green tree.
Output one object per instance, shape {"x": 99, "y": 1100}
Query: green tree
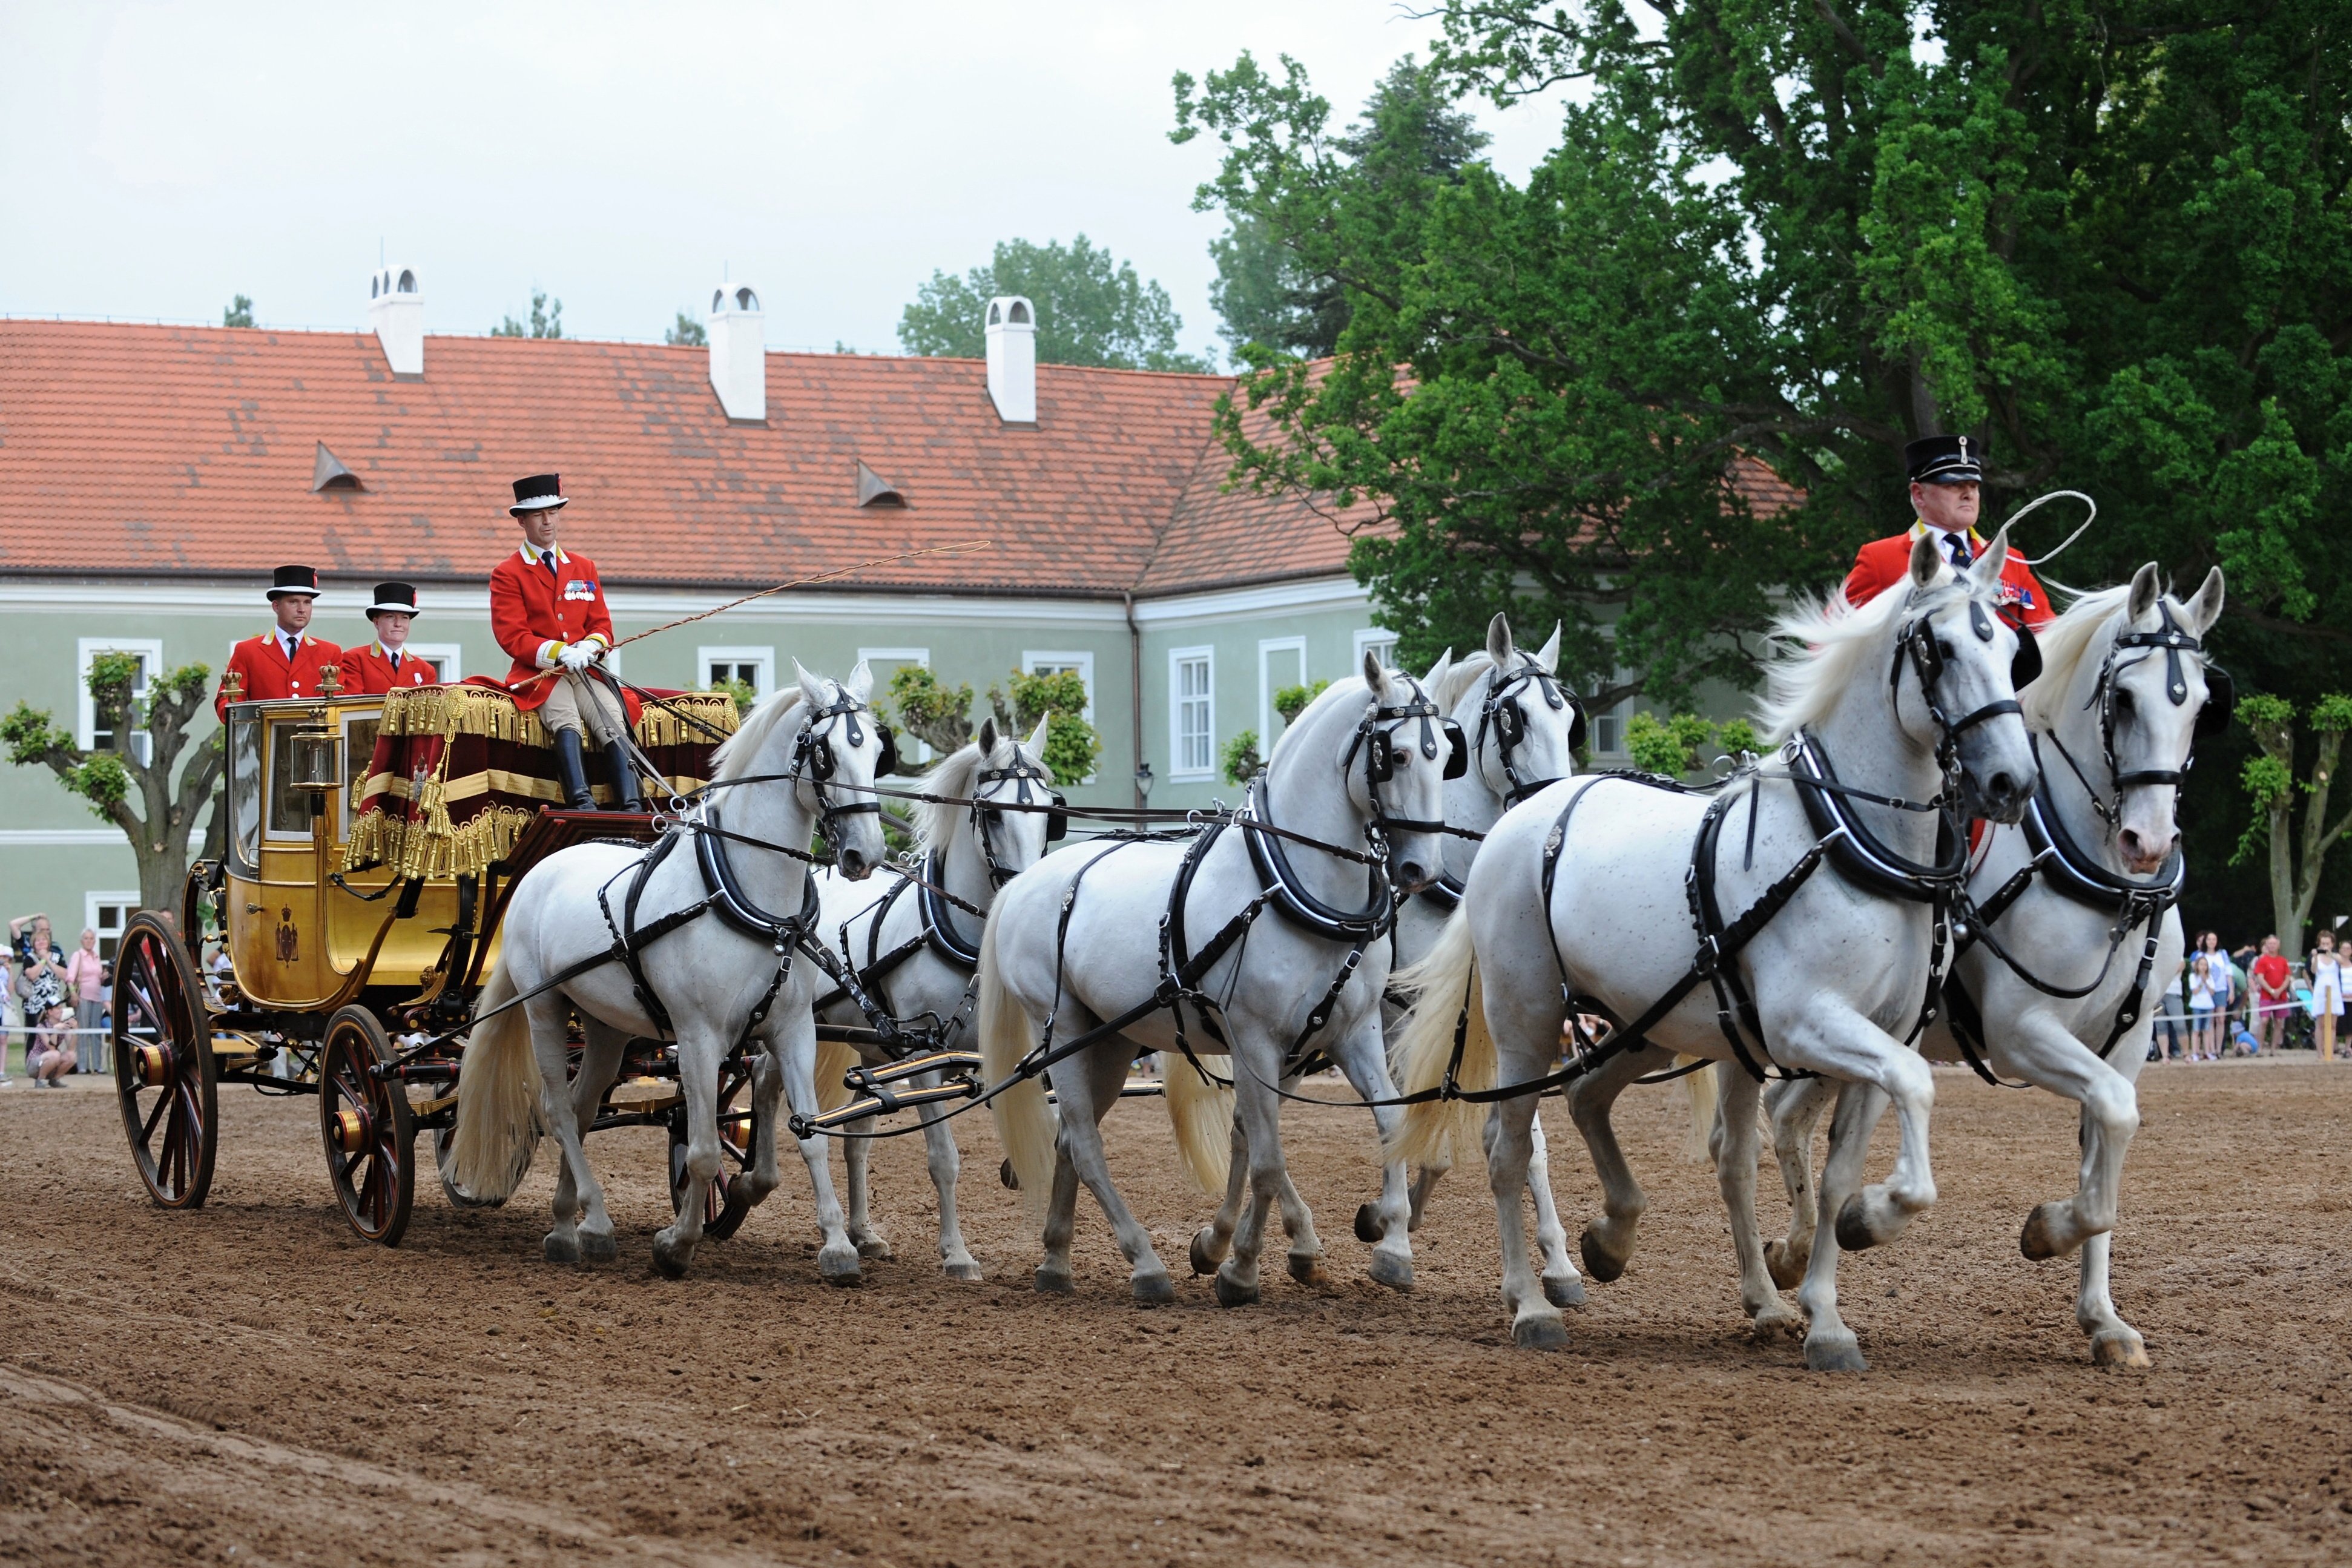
{"x": 2298, "y": 855}
{"x": 1091, "y": 309}
{"x": 1072, "y": 745}
{"x": 546, "y": 319}
{"x": 138, "y": 797}
{"x": 1290, "y": 702}
{"x": 931, "y": 713}
{"x": 1239, "y": 760}
{"x": 239, "y": 313}
{"x": 688, "y": 333}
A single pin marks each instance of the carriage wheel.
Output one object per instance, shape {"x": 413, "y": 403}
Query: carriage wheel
{"x": 442, "y": 1138}
{"x": 165, "y": 1075}
{"x": 725, "y": 1200}
{"x": 365, "y": 1122}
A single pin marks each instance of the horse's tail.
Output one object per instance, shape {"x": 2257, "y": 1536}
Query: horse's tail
{"x": 1446, "y": 984}
{"x": 1201, "y": 1113}
{"x": 497, "y": 1098}
{"x": 833, "y": 1060}
{"x": 1705, "y": 1105}
{"x": 1024, "y": 1123}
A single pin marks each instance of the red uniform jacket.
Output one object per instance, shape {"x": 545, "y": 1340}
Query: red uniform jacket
{"x": 534, "y": 612}
{"x": 369, "y": 669}
{"x": 268, "y": 675}
{"x": 1882, "y": 562}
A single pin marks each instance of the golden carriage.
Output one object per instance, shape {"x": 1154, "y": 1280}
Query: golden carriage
{"x": 371, "y": 842}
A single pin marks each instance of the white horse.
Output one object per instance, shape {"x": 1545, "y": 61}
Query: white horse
{"x": 914, "y": 954}
{"x": 732, "y": 975}
{"x": 1524, "y": 729}
{"x": 1585, "y": 897}
{"x": 1278, "y": 945}
{"x": 2124, "y": 693}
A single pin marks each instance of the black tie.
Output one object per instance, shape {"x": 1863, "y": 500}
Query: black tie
{"x": 547, "y": 559}
{"x": 396, "y": 659}
{"x": 291, "y": 644}
{"x": 1959, "y": 544}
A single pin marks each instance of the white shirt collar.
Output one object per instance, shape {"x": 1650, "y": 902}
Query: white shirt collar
{"x": 529, "y": 553}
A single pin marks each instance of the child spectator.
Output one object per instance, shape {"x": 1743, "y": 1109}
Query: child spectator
{"x": 2274, "y": 994}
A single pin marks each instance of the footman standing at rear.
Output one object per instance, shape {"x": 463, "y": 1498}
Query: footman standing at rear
{"x": 547, "y": 609}
{"x": 385, "y": 664}
{"x": 284, "y": 662}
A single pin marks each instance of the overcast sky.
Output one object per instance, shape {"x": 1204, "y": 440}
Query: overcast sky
{"x": 156, "y": 159}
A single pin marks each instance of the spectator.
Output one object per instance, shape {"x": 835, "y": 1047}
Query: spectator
{"x": 43, "y": 990}
{"x": 2274, "y": 981}
{"x": 84, "y": 970}
{"x": 12, "y": 1017}
{"x": 2326, "y": 993}
{"x": 2203, "y": 1006}
{"x": 2169, "y": 1039}
{"x": 2225, "y": 988}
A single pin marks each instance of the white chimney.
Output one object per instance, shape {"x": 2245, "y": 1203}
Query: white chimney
{"x": 738, "y": 354}
{"x": 397, "y": 312}
{"x": 1012, "y": 359}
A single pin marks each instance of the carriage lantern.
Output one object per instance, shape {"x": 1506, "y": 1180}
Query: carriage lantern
{"x": 315, "y": 772}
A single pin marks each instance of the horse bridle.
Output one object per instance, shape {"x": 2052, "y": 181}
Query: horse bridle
{"x": 1376, "y": 737}
{"x": 983, "y": 812}
{"x": 1501, "y": 709}
{"x": 1917, "y": 640}
{"x": 813, "y": 757}
{"x": 2221, "y": 701}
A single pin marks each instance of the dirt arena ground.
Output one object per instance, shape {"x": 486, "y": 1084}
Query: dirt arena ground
{"x": 251, "y": 1383}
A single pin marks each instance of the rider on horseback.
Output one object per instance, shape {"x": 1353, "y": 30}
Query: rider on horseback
{"x": 547, "y": 609}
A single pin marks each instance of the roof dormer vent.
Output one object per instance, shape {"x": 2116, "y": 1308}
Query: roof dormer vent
{"x": 1011, "y": 332}
{"x": 738, "y": 354}
{"x": 328, "y": 473}
{"x": 396, "y": 312}
{"x": 873, "y": 490}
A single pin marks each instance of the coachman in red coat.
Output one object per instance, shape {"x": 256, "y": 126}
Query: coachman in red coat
{"x": 386, "y": 665}
{"x": 547, "y": 611}
{"x": 1946, "y": 472}
{"x": 287, "y": 662}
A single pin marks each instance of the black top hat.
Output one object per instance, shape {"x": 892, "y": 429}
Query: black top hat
{"x": 294, "y": 580}
{"x": 398, "y": 598}
{"x": 1945, "y": 461}
{"x": 537, "y": 493}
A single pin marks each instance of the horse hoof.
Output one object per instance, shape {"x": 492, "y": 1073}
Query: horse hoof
{"x": 1780, "y": 1261}
{"x": 1775, "y": 1321}
{"x": 1563, "y": 1290}
{"x": 599, "y": 1245}
{"x": 1835, "y": 1355}
{"x": 1154, "y": 1291}
{"x": 836, "y": 1264}
{"x": 1392, "y": 1271}
{"x": 967, "y": 1271}
{"x": 1367, "y": 1225}
{"x": 1539, "y": 1333}
{"x": 1854, "y": 1232}
{"x": 2039, "y": 1239}
{"x": 1307, "y": 1267}
{"x": 1232, "y": 1294}
{"x": 1204, "y": 1261}
{"x": 560, "y": 1248}
{"x": 671, "y": 1259}
{"x": 874, "y": 1247}
{"x": 1055, "y": 1282}
{"x": 2120, "y": 1348}
{"x": 1599, "y": 1262}
{"x": 1004, "y": 1174}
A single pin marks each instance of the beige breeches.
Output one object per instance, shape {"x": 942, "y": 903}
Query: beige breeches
{"x": 564, "y": 707}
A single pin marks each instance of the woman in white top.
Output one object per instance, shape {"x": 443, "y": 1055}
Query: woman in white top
{"x": 2204, "y": 1009}
{"x": 2326, "y": 993}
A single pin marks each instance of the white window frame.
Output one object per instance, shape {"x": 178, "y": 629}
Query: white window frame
{"x": 448, "y": 659}
{"x": 1177, "y": 658}
{"x": 88, "y": 649}
{"x": 1373, "y": 637}
{"x": 919, "y": 749}
{"x": 761, "y": 658}
{"x": 1616, "y": 718}
{"x": 1266, "y": 648}
{"x": 89, "y": 902}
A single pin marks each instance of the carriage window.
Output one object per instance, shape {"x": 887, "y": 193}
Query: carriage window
{"x": 245, "y": 794}
{"x": 359, "y": 750}
{"x": 290, "y": 809}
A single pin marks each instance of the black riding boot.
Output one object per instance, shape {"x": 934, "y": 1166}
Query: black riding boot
{"x": 625, "y": 777}
{"x": 571, "y": 771}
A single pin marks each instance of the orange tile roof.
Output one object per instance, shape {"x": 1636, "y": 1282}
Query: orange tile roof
{"x": 146, "y": 449}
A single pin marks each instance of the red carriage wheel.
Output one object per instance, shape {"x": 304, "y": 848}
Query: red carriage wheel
{"x": 365, "y": 1122}
{"x": 165, "y": 1075}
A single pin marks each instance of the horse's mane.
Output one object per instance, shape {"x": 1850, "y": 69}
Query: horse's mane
{"x": 935, "y": 823}
{"x": 2064, "y": 642}
{"x": 1467, "y": 670}
{"x": 776, "y": 710}
{"x": 1837, "y": 639}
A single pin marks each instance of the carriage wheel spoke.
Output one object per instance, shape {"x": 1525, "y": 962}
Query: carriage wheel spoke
{"x": 147, "y": 1132}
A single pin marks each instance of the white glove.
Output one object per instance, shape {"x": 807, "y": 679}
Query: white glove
{"x": 577, "y": 656}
